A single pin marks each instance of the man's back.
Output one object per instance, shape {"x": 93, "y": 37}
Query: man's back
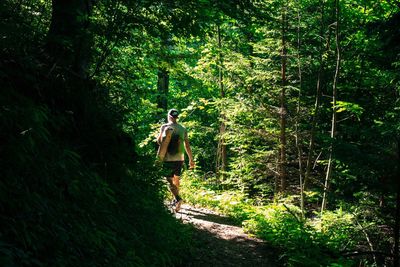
{"x": 176, "y": 147}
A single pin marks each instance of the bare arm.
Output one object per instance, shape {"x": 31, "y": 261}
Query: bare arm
{"x": 159, "y": 137}
{"x": 189, "y": 152}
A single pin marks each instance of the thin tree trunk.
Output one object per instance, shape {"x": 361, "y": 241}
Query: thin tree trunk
{"x": 298, "y": 145}
{"x": 250, "y": 40}
{"x": 334, "y": 114}
{"x": 317, "y": 102}
{"x": 221, "y": 151}
{"x": 282, "y": 137}
{"x": 397, "y": 216}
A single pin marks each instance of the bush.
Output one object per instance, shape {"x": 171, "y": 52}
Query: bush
{"x": 308, "y": 242}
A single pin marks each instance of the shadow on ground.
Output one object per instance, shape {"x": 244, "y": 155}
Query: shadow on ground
{"x": 205, "y": 215}
{"x": 218, "y": 241}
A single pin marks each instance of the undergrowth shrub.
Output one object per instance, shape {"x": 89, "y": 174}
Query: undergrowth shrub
{"x": 303, "y": 242}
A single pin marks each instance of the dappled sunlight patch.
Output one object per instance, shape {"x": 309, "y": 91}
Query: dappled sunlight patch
{"x": 338, "y": 227}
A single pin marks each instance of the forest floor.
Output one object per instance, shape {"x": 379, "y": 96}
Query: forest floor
{"x": 217, "y": 241}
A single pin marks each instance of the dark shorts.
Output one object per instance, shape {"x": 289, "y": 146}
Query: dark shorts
{"x": 171, "y": 168}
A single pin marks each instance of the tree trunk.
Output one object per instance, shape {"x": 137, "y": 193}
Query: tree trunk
{"x": 317, "y": 100}
{"x": 68, "y": 41}
{"x": 298, "y": 145}
{"x": 162, "y": 88}
{"x": 282, "y": 136}
{"x": 221, "y": 151}
{"x": 163, "y": 73}
{"x": 334, "y": 114}
{"x": 397, "y": 216}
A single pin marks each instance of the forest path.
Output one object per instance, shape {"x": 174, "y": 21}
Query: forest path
{"x": 219, "y": 242}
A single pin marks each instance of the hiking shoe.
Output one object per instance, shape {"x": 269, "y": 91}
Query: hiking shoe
{"x": 178, "y": 205}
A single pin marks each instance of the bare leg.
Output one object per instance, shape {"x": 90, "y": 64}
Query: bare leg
{"x": 176, "y": 182}
{"x": 172, "y": 187}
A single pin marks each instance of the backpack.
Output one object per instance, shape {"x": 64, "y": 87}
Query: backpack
{"x": 174, "y": 144}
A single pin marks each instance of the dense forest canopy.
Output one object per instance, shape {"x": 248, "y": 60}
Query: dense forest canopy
{"x": 287, "y": 102}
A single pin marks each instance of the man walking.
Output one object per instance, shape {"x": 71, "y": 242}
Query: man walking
{"x": 175, "y": 156}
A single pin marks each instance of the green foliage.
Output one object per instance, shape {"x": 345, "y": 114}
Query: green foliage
{"x": 311, "y": 242}
{"x": 64, "y": 209}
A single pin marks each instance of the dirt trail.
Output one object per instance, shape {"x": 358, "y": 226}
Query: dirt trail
{"x": 218, "y": 242}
